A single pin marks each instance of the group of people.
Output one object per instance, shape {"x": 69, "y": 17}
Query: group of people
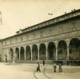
{"x": 38, "y": 67}
{"x": 59, "y": 67}
{"x": 54, "y": 67}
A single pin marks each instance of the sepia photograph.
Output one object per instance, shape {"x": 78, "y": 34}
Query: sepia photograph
{"x": 39, "y": 39}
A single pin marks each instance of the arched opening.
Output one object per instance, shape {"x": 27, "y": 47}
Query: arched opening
{"x": 42, "y": 51}
{"x": 51, "y": 51}
{"x": 34, "y": 52}
{"x": 74, "y": 52}
{"x": 62, "y": 50}
{"x": 17, "y": 53}
{"x": 22, "y": 53}
{"x": 11, "y": 54}
{"x": 28, "y": 53}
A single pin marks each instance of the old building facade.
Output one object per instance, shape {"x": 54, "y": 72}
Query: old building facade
{"x": 55, "y": 39}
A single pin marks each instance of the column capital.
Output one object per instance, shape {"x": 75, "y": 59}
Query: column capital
{"x": 56, "y": 43}
{"x": 24, "y": 46}
{"x": 19, "y": 47}
{"x": 67, "y": 41}
{"x": 13, "y": 50}
{"x": 30, "y": 45}
{"x": 38, "y": 44}
{"x": 46, "y": 43}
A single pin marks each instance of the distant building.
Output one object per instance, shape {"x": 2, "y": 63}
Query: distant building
{"x": 54, "y": 39}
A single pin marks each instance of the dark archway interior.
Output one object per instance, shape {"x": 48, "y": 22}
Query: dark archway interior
{"x": 11, "y": 54}
{"x": 74, "y": 49}
{"x": 28, "y": 53}
{"x": 34, "y": 52}
{"x": 17, "y": 54}
{"x": 51, "y": 51}
{"x": 62, "y": 50}
{"x": 42, "y": 51}
{"x": 22, "y": 53}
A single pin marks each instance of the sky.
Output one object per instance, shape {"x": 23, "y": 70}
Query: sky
{"x": 19, "y": 14}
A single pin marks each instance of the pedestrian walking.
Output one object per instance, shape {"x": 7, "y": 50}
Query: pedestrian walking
{"x": 43, "y": 62}
{"x": 55, "y": 67}
{"x": 38, "y": 67}
{"x": 60, "y": 67}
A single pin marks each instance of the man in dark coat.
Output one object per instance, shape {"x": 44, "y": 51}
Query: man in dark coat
{"x": 38, "y": 67}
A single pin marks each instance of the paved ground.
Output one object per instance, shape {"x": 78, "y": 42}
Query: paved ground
{"x": 27, "y": 71}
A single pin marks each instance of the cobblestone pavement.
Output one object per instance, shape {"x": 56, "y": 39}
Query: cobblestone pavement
{"x": 28, "y": 71}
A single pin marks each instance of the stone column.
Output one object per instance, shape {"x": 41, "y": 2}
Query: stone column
{"x": 38, "y": 50}
{"x": 31, "y": 51}
{"x": 46, "y": 50}
{"x": 6, "y": 55}
{"x": 68, "y": 41}
{"x": 56, "y": 45}
{"x": 14, "y": 56}
{"x": 25, "y": 53}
